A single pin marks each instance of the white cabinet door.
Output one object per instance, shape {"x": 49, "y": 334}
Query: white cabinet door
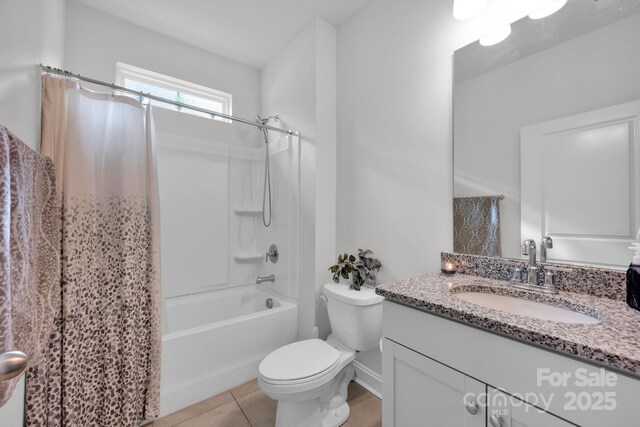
{"x": 418, "y": 391}
{"x": 580, "y": 184}
{"x": 504, "y": 410}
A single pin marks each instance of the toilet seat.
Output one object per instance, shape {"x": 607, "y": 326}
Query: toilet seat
{"x": 299, "y": 362}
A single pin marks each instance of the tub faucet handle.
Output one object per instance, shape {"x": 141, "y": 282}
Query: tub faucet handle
{"x": 272, "y": 255}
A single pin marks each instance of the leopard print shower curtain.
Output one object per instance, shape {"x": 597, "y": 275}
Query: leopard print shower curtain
{"x": 103, "y": 364}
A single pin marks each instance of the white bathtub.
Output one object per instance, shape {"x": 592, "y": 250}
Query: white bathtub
{"x": 215, "y": 341}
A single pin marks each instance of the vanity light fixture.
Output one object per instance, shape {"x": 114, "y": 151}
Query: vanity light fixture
{"x": 497, "y": 36}
{"x": 549, "y": 9}
{"x": 466, "y": 9}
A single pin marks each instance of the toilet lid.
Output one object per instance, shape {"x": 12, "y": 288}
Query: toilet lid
{"x": 299, "y": 360}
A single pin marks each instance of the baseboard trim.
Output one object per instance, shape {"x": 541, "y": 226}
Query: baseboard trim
{"x": 368, "y": 379}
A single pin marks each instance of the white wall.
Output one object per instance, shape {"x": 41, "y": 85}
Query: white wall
{"x": 593, "y": 71}
{"x": 394, "y": 156}
{"x": 96, "y": 41}
{"x": 32, "y": 32}
{"x": 299, "y": 85}
{"x": 394, "y": 128}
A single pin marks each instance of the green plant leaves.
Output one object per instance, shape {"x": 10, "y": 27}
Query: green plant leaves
{"x": 363, "y": 269}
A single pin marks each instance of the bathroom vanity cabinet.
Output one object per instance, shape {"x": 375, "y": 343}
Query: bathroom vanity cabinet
{"x": 440, "y": 372}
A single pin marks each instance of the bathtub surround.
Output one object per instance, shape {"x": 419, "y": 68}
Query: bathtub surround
{"x": 213, "y": 248}
{"x": 29, "y": 254}
{"x": 600, "y": 282}
{"x": 109, "y": 340}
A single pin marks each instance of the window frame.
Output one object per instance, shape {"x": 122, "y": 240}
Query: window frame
{"x": 125, "y": 71}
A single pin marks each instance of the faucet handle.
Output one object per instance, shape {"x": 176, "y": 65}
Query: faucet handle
{"x": 549, "y": 279}
{"x": 550, "y": 282}
{"x": 272, "y": 255}
{"x": 516, "y": 276}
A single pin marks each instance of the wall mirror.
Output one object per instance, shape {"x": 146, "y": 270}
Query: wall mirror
{"x": 546, "y": 137}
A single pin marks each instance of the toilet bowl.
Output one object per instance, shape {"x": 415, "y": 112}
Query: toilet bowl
{"x": 309, "y": 378}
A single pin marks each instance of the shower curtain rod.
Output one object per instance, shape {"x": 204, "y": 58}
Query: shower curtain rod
{"x": 51, "y": 70}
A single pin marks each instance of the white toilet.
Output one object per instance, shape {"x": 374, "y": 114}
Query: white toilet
{"x": 309, "y": 378}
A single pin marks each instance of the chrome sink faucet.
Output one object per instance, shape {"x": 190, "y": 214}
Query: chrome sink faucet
{"x": 529, "y": 248}
{"x": 532, "y": 284}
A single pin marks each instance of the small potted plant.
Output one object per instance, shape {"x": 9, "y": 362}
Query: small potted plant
{"x": 363, "y": 270}
{"x": 344, "y": 267}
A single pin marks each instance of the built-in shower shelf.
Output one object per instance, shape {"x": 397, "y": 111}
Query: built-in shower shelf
{"x": 247, "y": 211}
{"x": 248, "y": 257}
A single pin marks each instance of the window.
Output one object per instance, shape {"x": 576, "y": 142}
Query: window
{"x": 178, "y": 90}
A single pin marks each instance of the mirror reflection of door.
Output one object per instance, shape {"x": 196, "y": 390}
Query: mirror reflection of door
{"x": 580, "y": 184}
{"x": 582, "y": 60}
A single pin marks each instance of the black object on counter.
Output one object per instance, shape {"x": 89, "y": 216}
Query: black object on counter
{"x": 633, "y": 286}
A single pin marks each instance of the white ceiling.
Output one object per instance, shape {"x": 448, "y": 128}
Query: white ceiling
{"x": 248, "y": 31}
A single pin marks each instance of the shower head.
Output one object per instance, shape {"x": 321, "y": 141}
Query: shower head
{"x": 264, "y": 121}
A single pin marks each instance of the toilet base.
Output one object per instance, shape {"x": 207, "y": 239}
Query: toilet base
{"x": 336, "y": 417}
{"x": 308, "y": 414}
{"x": 328, "y": 409}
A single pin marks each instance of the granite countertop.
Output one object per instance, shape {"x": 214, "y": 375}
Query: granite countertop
{"x": 615, "y": 342}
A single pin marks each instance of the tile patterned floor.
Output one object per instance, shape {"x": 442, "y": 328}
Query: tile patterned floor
{"x": 247, "y": 406}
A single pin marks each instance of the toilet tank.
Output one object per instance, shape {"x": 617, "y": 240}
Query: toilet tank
{"x": 355, "y": 316}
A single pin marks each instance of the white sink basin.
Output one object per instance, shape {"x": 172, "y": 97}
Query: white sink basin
{"x": 525, "y": 307}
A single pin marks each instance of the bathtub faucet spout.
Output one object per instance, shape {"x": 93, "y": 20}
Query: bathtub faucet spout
{"x": 262, "y": 279}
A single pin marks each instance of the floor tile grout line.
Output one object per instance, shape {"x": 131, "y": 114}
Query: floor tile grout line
{"x": 204, "y": 412}
{"x": 197, "y": 415}
{"x": 241, "y": 410}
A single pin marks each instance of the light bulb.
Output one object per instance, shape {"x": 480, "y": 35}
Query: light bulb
{"x": 465, "y": 9}
{"x": 549, "y": 9}
{"x": 497, "y": 36}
